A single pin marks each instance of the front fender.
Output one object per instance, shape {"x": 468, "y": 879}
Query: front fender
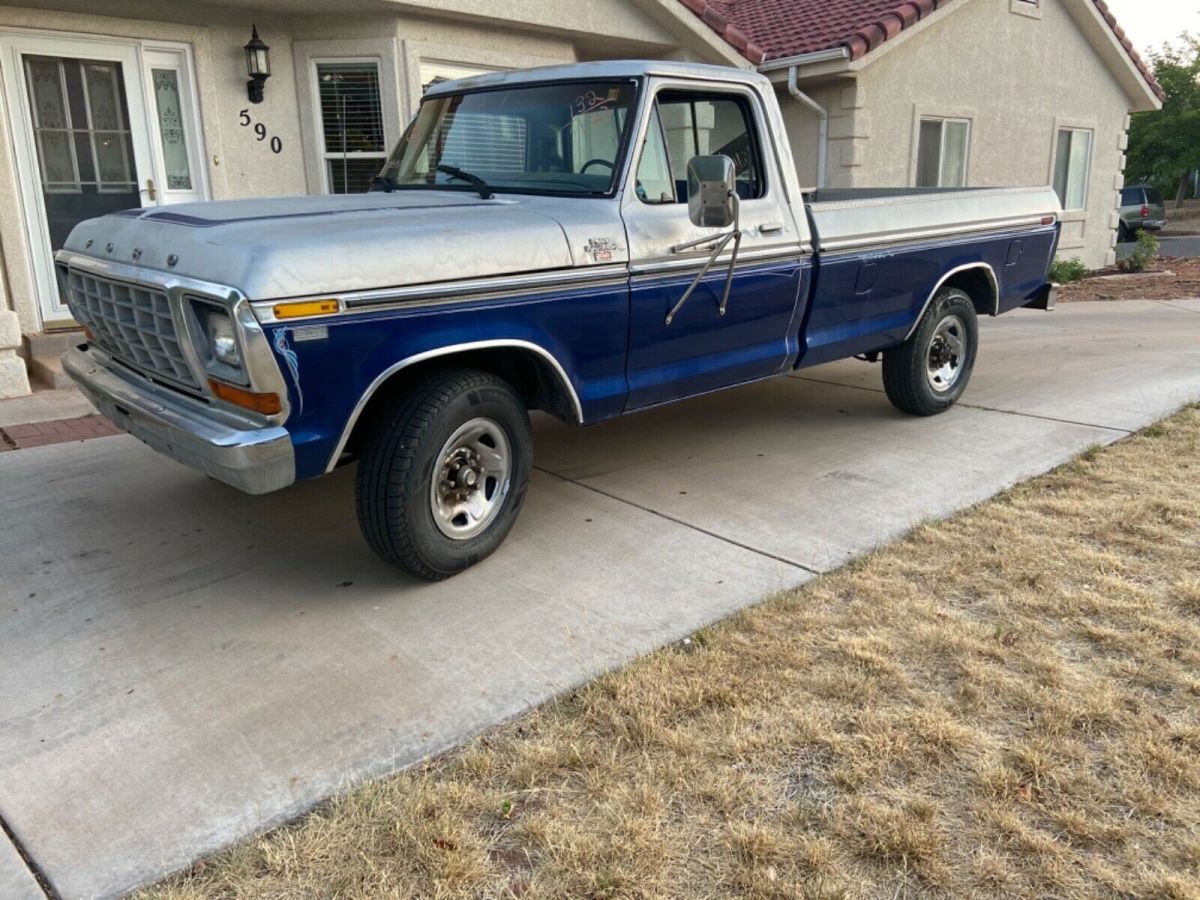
{"x": 333, "y": 364}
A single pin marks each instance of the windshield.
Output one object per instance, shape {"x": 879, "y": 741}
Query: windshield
{"x": 548, "y": 138}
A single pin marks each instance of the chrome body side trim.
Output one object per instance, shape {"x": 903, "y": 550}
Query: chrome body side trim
{"x": 467, "y": 289}
{"x": 991, "y": 273}
{"x": 260, "y": 365}
{"x": 882, "y": 240}
{"x": 677, "y": 265}
{"x": 516, "y": 286}
{"x": 232, "y": 448}
{"x": 449, "y": 351}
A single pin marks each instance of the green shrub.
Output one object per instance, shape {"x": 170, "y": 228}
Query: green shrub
{"x": 1143, "y": 253}
{"x": 1064, "y": 271}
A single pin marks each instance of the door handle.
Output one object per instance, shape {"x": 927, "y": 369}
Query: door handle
{"x": 770, "y": 227}
{"x": 149, "y": 190}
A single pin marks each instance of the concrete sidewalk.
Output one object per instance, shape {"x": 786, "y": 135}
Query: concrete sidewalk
{"x": 183, "y": 664}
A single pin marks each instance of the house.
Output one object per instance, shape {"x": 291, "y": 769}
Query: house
{"x": 180, "y": 100}
{"x": 952, "y": 93}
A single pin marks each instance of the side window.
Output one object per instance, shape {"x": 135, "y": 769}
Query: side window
{"x": 700, "y": 125}
{"x": 654, "y": 182}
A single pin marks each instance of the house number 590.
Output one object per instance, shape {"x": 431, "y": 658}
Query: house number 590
{"x": 260, "y": 130}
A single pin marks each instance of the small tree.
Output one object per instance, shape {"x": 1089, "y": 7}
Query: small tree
{"x": 1164, "y": 146}
{"x": 1143, "y": 253}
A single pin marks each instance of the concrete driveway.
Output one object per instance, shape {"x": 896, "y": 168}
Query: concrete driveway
{"x": 183, "y": 665}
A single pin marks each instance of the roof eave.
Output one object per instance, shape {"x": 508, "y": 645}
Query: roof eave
{"x": 1110, "y": 42}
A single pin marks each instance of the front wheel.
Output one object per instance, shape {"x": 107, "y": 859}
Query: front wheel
{"x": 928, "y": 372}
{"x": 443, "y": 476}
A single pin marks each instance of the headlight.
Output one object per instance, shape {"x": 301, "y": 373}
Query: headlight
{"x": 218, "y": 343}
{"x": 222, "y": 340}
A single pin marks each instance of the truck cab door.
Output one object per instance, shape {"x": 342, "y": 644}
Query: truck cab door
{"x": 701, "y": 350}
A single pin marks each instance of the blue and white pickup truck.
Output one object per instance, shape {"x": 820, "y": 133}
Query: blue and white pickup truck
{"x": 587, "y": 240}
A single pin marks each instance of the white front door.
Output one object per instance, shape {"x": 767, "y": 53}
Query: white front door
{"x": 98, "y": 126}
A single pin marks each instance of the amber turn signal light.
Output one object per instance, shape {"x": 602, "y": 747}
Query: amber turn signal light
{"x": 267, "y": 404}
{"x": 305, "y": 308}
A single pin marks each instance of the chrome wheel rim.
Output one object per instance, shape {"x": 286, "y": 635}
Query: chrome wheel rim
{"x": 947, "y": 354}
{"x": 471, "y": 478}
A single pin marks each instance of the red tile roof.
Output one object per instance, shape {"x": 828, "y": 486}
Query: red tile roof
{"x": 775, "y": 29}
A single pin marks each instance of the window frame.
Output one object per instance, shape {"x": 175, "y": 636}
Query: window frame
{"x": 922, "y": 118}
{"x": 1090, "y": 131}
{"x": 324, "y": 154}
{"x": 751, "y": 110}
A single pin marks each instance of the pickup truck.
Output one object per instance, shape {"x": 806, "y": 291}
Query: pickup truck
{"x": 588, "y": 240}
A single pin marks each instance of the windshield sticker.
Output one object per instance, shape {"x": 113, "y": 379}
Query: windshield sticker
{"x": 591, "y": 102}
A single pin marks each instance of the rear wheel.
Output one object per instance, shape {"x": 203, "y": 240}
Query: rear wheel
{"x": 927, "y": 373}
{"x": 1124, "y": 235}
{"x": 442, "y": 477}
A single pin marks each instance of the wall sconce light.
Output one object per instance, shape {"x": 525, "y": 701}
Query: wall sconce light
{"x": 258, "y": 65}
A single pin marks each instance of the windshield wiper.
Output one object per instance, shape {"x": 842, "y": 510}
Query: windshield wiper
{"x": 383, "y": 183}
{"x": 485, "y": 192}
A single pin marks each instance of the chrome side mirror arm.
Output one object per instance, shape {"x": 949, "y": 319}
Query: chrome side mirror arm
{"x": 722, "y": 241}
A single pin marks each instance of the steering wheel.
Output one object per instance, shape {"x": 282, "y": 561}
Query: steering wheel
{"x": 596, "y": 162}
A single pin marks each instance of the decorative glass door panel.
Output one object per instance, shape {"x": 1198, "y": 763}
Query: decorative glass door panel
{"x": 80, "y": 117}
{"x": 170, "y": 121}
{"x": 173, "y": 121}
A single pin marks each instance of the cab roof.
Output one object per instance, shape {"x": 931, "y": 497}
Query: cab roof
{"x": 606, "y": 69}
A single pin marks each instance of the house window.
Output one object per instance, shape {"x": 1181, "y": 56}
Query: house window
{"x": 352, "y": 136}
{"x": 1072, "y": 160}
{"x": 942, "y": 152}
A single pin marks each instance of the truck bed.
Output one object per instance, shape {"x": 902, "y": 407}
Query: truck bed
{"x": 852, "y": 218}
{"x": 882, "y": 254}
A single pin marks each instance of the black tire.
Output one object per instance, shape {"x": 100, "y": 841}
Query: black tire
{"x": 1124, "y": 235}
{"x": 907, "y": 375}
{"x": 394, "y": 484}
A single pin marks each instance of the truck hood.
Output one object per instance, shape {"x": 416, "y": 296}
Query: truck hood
{"x": 304, "y": 246}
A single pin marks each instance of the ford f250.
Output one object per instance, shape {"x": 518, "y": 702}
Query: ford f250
{"x": 587, "y": 240}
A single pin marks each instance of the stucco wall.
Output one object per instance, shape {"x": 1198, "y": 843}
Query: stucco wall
{"x": 1018, "y": 79}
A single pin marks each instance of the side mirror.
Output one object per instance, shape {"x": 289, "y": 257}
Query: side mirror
{"x": 712, "y": 195}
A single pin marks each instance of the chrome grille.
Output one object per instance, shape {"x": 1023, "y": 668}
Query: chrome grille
{"x": 132, "y": 322}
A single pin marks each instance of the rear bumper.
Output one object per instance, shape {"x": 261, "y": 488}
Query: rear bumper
{"x": 254, "y": 459}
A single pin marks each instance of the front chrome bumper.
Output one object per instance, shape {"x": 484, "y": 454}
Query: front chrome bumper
{"x": 235, "y": 450}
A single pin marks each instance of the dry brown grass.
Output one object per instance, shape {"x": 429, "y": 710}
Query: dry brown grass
{"x": 1005, "y": 703}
